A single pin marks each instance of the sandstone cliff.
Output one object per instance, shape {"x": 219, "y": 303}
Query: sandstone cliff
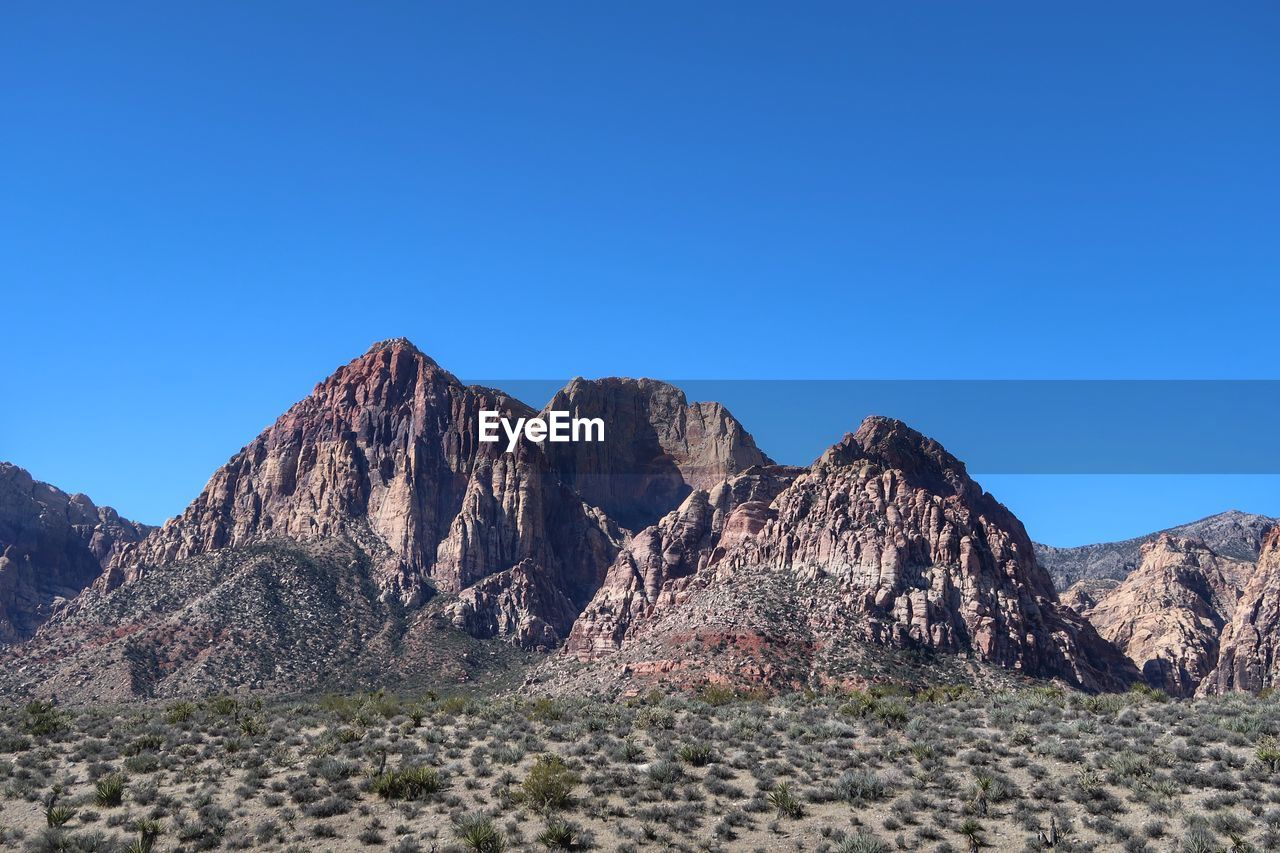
{"x": 660, "y": 447}
{"x": 884, "y": 540}
{"x": 52, "y": 545}
{"x": 1166, "y": 616}
{"x": 1249, "y": 653}
{"x": 647, "y": 572}
{"x": 371, "y": 513}
{"x": 386, "y": 451}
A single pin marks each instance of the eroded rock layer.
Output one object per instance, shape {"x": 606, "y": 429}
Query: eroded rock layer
{"x": 1167, "y": 615}
{"x": 659, "y": 447}
{"x": 1249, "y": 648}
{"x": 884, "y": 540}
{"x": 52, "y": 545}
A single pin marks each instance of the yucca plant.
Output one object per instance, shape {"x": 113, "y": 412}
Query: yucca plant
{"x": 699, "y": 755}
{"x": 109, "y": 792}
{"x": 477, "y": 833}
{"x": 559, "y": 835}
{"x": 412, "y": 783}
{"x": 785, "y": 802}
{"x": 148, "y": 831}
{"x": 54, "y": 814}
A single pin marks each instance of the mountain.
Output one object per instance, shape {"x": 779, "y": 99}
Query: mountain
{"x": 1168, "y": 614}
{"x": 1249, "y": 655}
{"x": 786, "y": 578}
{"x": 659, "y": 449}
{"x": 52, "y": 545}
{"x": 368, "y": 537}
{"x": 1233, "y": 534}
{"x": 366, "y": 532}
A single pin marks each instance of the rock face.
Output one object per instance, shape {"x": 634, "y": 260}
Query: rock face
{"x": 1249, "y": 653}
{"x": 52, "y": 545}
{"x": 372, "y": 496}
{"x": 1082, "y": 596}
{"x": 884, "y": 540}
{"x": 659, "y": 447}
{"x": 369, "y": 537}
{"x": 1234, "y": 534}
{"x": 386, "y": 451}
{"x": 1167, "y": 615}
{"x": 646, "y": 576}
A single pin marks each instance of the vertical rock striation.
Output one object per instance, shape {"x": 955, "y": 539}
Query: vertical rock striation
{"x": 1249, "y": 648}
{"x": 658, "y": 447}
{"x": 52, "y": 545}
{"x": 885, "y": 539}
{"x": 1167, "y": 615}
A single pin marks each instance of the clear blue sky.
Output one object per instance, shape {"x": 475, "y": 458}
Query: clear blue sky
{"x": 205, "y": 207}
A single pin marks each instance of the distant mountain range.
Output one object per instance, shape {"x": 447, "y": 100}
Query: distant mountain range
{"x": 368, "y": 537}
{"x": 1233, "y": 534}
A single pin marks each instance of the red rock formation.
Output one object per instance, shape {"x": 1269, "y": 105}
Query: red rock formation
{"x": 1249, "y": 648}
{"x": 386, "y": 450}
{"x": 52, "y": 545}
{"x": 647, "y": 572}
{"x": 1166, "y": 616}
{"x": 885, "y": 539}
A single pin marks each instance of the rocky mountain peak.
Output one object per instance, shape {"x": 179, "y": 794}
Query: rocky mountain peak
{"x": 396, "y": 344}
{"x": 892, "y": 445}
{"x": 884, "y": 540}
{"x": 1233, "y": 534}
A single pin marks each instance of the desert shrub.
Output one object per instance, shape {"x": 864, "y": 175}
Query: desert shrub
{"x": 858, "y": 786}
{"x": 699, "y": 755}
{"x": 546, "y": 710}
{"x": 109, "y": 792}
{"x": 1199, "y": 840}
{"x": 1142, "y": 691}
{"x": 456, "y": 706}
{"x": 508, "y": 754}
{"x": 56, "y": 815}
{"x": 559, "y": 835}
{"x": 941, "y": 693}
{"x": 42, "y": 719}
{"x": 717, "y": 694}
{"x": 862, "y": 843}
{"x": 147, "y": 762}
{"x": 892, "y": 712}
{"x": 656, "y": 718}
{"x": 148, "y": 831}
{"x": 328, "y": 807}
{"x": 179, "y": 712}
{"x": 665, "y": 772}
{"x": 412, "y": 783}
{"x": 332, "y": 769}
{"x": 1269, "y": 753}
{"x": 550, "y": 783}
{"x": 859, "y": 704}
{"x": 785, "y": 803}
{"x": 477, "y": 833}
